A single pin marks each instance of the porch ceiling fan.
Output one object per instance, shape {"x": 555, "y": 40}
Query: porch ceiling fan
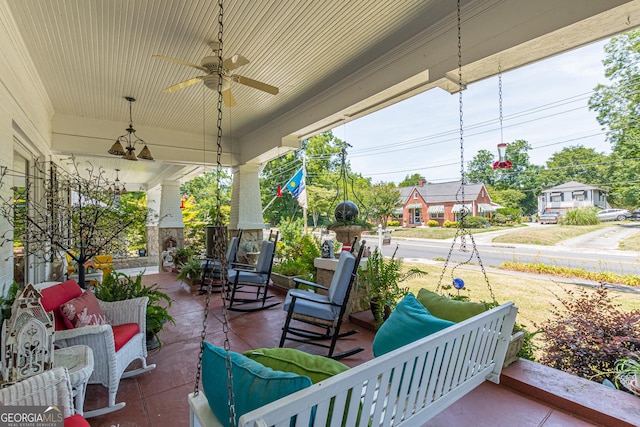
{"x": 209, "y": 65}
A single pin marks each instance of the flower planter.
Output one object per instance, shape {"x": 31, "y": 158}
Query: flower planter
{"x": 281, "y": 281}
{"x": 515, "y": 344}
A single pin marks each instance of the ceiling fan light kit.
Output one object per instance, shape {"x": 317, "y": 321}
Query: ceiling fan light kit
{"x": 209, "y": 64}
{"x": 125, "y": 145}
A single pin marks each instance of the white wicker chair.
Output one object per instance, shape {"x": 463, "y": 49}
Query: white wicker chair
{"x": 110, "y": 365}
{"x": 50, "y": 388}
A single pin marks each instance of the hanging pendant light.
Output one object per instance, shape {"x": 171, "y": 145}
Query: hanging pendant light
{"x": 125, "y": 144}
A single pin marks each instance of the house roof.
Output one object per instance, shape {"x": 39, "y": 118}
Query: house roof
{"x": 442, "y": 192}
{"x": 571, "y": 186}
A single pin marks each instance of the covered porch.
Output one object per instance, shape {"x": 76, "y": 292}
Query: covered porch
{"x": 529, "y": 394}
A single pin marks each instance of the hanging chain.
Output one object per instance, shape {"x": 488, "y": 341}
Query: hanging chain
{"x": 462, "y": 232}
{"x": 500, "y": 98}
{"x": 219, "y": 243}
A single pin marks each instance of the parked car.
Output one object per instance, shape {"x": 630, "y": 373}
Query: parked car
{"x": 613, "y": 214}
{"x": 635, "y": 215}
{"x": 549, "y": 218}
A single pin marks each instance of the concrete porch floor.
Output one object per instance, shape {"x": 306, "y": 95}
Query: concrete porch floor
{"x": 529, "y": 394}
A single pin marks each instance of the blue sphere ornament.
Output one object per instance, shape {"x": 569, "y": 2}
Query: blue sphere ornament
{"x": 458, "y": 283}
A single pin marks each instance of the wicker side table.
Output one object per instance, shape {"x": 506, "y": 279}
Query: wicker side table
{"x": 78, "y": 360}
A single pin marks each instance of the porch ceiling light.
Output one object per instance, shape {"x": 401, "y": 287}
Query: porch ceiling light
{"x": 125, "y": 145}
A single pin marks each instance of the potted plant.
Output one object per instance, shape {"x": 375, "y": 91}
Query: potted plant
{"x": 382, "y": 277}
{"x": 190, "y": 271}
{"x": 250, "y": 250}
{"x": 630, "y": 367}
{"x": 119, "y": 286}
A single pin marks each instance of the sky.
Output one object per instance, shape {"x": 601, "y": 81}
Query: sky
{"x": 545, "y": 103}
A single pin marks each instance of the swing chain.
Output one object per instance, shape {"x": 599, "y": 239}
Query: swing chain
{"x": 500, "y": 99}
{"x": 219, "y": 246}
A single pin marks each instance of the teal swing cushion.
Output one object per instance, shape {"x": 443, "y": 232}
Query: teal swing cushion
{"x": 409, "y": 322}
{"x": 254, "y": 385}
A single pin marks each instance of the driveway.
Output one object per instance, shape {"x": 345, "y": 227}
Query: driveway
{"x": 607, "y": 238}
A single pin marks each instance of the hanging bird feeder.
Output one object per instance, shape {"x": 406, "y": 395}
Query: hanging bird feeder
{"x": 502, "y": 162}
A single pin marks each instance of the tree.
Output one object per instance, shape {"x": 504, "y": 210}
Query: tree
{"x": 383, "y": 200}
{"x": 480, "y": 169}
{"x": 618, "y": 108}
{"x": 575, "y": 163}
{"x": 509, "y": 198}
{"x": 201, "y": 205}
{"x": 319, "y": 202}
{"x": 523, "y": 176}
{"x": 411, "y": 180}
{"x": 80, "y": 217}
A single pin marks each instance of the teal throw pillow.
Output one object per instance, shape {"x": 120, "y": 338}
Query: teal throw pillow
{"x": 317, "y": 368}
{"x": 448, "y": 309}
{"x": 409, "y": 322}
{"x": 254, "y": 385}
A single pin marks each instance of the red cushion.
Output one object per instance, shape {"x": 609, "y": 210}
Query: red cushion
{"x": 123, "y": 333}
{"x": 76, "y": 421}
{"x": 54, "y": 296}
{"x": 83, "y": 311}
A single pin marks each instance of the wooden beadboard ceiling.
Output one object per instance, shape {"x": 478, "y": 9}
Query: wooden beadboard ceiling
{"x": 90, "y": 54}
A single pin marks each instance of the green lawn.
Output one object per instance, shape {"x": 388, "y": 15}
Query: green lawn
{"x": 630, "y": 243}
{"x": 441, "y": 233}
{"x": 533, "y": 296}
{"x": 548, "y": 235}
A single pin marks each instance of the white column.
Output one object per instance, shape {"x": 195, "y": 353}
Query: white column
{"x": 246, "y": 203}
{"x": 170, "y": 214}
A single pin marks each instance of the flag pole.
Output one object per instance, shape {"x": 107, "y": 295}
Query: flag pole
{"x": 304, "y": 174}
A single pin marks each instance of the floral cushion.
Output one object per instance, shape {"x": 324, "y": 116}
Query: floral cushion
{"x": 84, "y": 310}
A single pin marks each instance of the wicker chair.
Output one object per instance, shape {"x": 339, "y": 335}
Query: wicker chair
{"x": 50, "y": 388}
{"x": 109, "y": 363}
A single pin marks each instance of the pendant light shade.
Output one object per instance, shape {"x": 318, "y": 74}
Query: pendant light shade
{"x": 125, "y": 145}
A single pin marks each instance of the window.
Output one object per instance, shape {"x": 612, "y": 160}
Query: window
{"x": 556, "y": 197}
{"x": 436, "y": 215}
{"x": 415, "y": 196}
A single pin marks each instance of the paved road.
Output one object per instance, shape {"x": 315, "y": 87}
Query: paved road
{"x": 591, "y": 252}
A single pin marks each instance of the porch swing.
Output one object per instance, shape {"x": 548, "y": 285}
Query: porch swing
{"x": 464, "y": 355}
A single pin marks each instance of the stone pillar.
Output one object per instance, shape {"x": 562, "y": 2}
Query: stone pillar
{"x": 246, "y": 203}
{"x": 170, "y": 228}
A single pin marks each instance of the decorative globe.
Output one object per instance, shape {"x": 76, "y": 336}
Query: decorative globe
{"x": 346, "y": 211}
{"x": 458, "y": 283}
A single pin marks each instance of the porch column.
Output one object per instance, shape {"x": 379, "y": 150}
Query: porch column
{"x": 246, "y": 203}
{"x": 169, "y": 230}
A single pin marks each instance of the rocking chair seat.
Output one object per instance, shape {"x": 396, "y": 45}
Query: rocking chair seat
{"x": 312, "y": 304}
{"x": 247, "y": 276}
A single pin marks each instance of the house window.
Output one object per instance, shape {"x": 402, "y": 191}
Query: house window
{"x": 415, "y": 196}
{"x": 556, "y": 197}
{"x": 436, "y": 215}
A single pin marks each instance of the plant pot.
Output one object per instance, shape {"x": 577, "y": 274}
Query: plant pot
{"x": 374, "y": 309}
{"x": 282, "y": 281}
{"x": 515, "y": 344}
{"x": 152, "y": 341}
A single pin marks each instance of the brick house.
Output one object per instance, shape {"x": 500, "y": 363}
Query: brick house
{"x": 440, "y": 202}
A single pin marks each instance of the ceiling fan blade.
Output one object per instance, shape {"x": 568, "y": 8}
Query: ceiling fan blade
{"x": 228, "y": 99}
{"x": 178, "y": 61}
{"x": 236, "y": 61}
{"x": 182, "y": 84}
{"x": 255, "y": 84}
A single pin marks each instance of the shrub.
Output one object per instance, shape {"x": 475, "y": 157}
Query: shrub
{"x": 586, "y": 216}
{"x": 499, "y": 218}
{"x": 587, "y": 333}
{"x": 393, "y": 223}
{"x": 475, "y": 222}
{"x": 432, "y": 223}
{"x": 450, "y": 224}
{"x": 296, "y": 252}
